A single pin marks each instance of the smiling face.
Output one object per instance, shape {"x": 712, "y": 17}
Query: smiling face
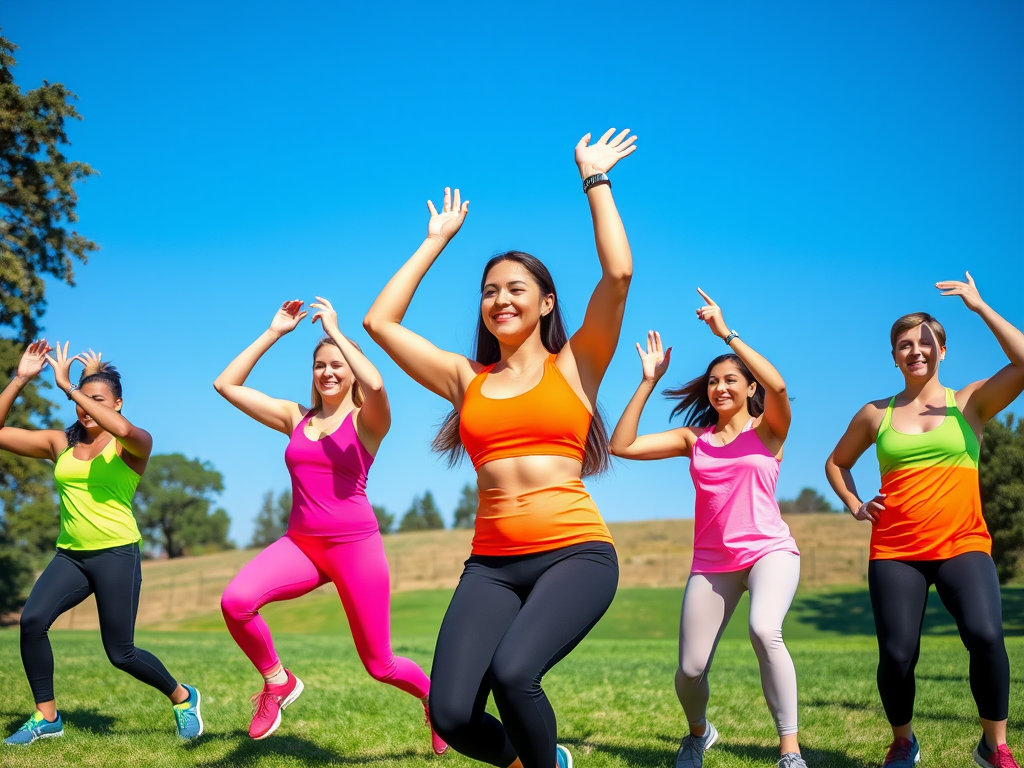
{"x": 917, "y": 352}
{"x": 101, "y": 393}
{"x": 728, "y": 388}
{"x": 332, "y": 377}
{"x": 512, "y": 304}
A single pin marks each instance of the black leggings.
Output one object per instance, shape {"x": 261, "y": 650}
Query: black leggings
{"x": 512, "y": 619}
{"x": 969, "y": 588}
{"x": 114, "y": 575}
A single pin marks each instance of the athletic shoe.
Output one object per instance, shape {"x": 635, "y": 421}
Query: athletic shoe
{"x": 438, "y": 744}
{"x": 792, "y": 760}
{"x": 903, "y": 753}
{"x": 187, "y": 716}
{"x": 36, "y": 727}
{"x": 1000, "y": 758}
{"x": 692, "y": 749}
{"x": 270, "y": 702}
{"x": 563, "y": 757}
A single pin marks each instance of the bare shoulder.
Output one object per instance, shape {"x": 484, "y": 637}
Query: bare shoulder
{"x": 869, "y": 417}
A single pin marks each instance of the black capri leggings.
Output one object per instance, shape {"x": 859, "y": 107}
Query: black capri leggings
{"x": 969, "y": 588}
{"x": 115, "y": 576}
{"x": 512, "y": 619}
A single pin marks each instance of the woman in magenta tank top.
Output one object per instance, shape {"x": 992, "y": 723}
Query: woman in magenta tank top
{"x": 332, "y": 533}
{"x": 739, "y": 416}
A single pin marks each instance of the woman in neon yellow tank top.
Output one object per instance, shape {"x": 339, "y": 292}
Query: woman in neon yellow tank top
{"x": 927, "y": 523}
{"x": 98, "y": 462}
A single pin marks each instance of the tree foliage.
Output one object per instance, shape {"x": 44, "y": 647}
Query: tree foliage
{"x": 465, "y": 511}
{"x": 423, "y": 515}
{"x": 1002, "y": 492}
{"x": 385, "y": 520}
{"x": 272, "y": 520}
{"x": 172, "y": 505}
{"x": 808, "y": 500}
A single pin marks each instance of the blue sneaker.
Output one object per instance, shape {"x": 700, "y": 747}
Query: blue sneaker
{"x": 903, "y": 753}
{"x": 563, "y": 757}
{"x": 187, "y": 715}
{"x": 692, "y": 749}
{"x": 36, "y": 727}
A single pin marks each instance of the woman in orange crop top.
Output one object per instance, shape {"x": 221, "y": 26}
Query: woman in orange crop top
{"x": 927, "y": 524}
{"x": 543, "y": 568}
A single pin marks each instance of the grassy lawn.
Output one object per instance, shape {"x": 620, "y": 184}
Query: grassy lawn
{"x": 613, "y": 696}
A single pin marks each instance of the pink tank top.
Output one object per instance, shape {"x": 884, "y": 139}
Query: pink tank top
{"x": 329, "y": 484}
{"x": 736, "y": 520}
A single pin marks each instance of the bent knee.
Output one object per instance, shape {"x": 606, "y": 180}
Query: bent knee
{"x": 900, "y": 655}
{"x": 765, "y": 634}
{"x": 237, "y": 605}
{"x": 33, "y": 623}
{"x": 509, "y": 676}
{"x": 450, "y": 718}
{"x": 691, "y": 672}
{"x": 379, "y": 669}
{"x": 983, "y": 639}
{"x": 122, "y": 658}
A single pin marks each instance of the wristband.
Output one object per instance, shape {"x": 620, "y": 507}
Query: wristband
{"x": 592, "y": 181}
{"x": 732, "y": 335}
{"x": 71, "y": 390}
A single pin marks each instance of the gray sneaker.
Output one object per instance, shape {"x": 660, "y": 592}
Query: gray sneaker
{"x": 792, "y": 760}
{"x": 692, "y": 749}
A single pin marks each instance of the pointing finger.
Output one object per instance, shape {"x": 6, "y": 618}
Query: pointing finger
{"x": 706, "y": 298}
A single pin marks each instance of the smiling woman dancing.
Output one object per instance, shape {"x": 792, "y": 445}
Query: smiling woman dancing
{"x": 543, "y": 568}
{"x": 332, "y": 534}
{"x": 98, "y": 462}
{"x": 926, "y": 521}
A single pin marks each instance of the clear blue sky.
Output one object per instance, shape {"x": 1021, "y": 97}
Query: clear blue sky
{"x": 815, "y": 167}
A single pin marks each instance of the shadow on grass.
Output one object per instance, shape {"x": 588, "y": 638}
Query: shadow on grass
{"x": 90, "y": 720}
{"x": 849, "y": 613}
{"x": 247, "y": 751}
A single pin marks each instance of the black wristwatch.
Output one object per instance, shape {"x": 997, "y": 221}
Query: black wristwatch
{"x": 71, "y": 390}
{"x": 595, "y": 180}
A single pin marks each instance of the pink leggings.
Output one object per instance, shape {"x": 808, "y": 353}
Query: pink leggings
{"x": 294, "y": 566}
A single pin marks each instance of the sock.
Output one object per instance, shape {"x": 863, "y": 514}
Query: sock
{"x": 278, "y": 678}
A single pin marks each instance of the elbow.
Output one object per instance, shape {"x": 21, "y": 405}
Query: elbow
{"x": 621, "y": 275}
{"x": 377, "y": 385}
{"x": 219, "y": 385}
{"x": 779, "y": 388}
{"x": 371, "y": 325}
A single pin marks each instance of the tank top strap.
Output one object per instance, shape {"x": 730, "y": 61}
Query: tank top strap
{"x": 951, "y": 398}
{"x": 887, "y": 418}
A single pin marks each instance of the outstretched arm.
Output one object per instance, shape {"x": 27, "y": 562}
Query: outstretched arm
{"x": 439, "y": 371}
{"x": 593, "y": 345}
{"x": 777, "y": 413}
{"x": 281, "y": 415}
{"x": 989, "y": 396}
{"x": 31, "y": 443}
{"x": 662, "y": 445}
{"x": 135, "y": 440}
{"x": 858, "y": 438}
{"x": 375, "y": 414}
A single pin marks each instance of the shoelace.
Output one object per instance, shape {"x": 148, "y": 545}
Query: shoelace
{"x": 261, "y": 701}
{"x": 689, "y": 748}
{"x": 180, "y": 717}
{"x": 899, "y": 750}
{"x": 29, "y": 725}
{"x": 1003, "y": 758}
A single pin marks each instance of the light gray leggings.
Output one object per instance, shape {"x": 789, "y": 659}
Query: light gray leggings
{"x": 708, "y": 604}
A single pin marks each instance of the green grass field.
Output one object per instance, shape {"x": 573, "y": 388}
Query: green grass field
{"x": 613, "y": 696}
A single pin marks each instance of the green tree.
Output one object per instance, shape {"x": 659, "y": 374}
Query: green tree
{"x": 173, "y": 503}
{"x": 385, "y": 520}
{"x": 465, "y": 511}
{"x": 808, "y": 500}
{"x": 37, "y": 207}
{"x": 423, "y": 515}
{"x": 272, "y": 520}
{"x": 1002, "y": 492}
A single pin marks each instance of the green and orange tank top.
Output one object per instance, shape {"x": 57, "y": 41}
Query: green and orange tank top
{"x": 95, "y": 500}
{"x": 932, "y": 494}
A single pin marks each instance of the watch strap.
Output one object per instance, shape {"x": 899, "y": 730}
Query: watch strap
{"x": 597, "y": 179}
{"x": 732, "y": 335}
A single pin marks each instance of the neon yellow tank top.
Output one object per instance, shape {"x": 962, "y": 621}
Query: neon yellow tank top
{"x": 95, "y": 500}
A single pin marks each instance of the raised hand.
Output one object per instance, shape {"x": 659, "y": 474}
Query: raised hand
{"x": 287, "y": 317}
{"x": 33, "y": 359}
{"x": 61, "y": 365}
{"x": 711, "y": 314}
{"x": 967, "y": 291}
{"x": 446, "y": 224}
{"x": 326, "y": 315}
{"x": 603, "y": 154}
{"x": 655, "y": 361}
{"x": 870, "y": 510}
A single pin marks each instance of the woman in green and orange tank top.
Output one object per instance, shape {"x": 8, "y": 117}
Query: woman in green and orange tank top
{"x": 98, "y": 462}
{"x": 927, "y": 522}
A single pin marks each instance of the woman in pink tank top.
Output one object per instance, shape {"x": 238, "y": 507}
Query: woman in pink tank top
{"x": 738, "y": 417}
{"x": 332, "y": 533}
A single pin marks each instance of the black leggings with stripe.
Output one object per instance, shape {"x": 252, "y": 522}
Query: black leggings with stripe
{"x": 114, "y": 575}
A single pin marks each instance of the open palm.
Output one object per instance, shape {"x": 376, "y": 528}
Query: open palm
{"x": 603, "y": 154}
{"x": 656, "y": 359}
{"x": 446, "y": 224}
{"x": 287, "y": 317}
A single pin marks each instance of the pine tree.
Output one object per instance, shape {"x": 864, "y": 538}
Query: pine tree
{"x": 465, "y": 512}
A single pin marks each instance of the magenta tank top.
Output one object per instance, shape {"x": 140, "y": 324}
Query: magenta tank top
{"x": 329, "y": 484}
{"x": 736, "y": 520}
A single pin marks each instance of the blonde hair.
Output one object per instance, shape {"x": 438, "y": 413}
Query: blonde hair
{"x": 316, "y": 401}
{"x": 913, "y": 320}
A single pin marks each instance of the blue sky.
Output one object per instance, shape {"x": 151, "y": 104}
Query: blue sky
{"x": 815, "y": 167}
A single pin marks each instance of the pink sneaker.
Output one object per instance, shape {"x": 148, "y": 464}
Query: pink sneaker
{"x": 1001, "y": 758}
{"x": 270, "y": 702}
{"x": 439, "y": 745}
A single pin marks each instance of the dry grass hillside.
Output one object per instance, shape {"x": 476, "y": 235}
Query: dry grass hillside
{"x": 653, "y": 553}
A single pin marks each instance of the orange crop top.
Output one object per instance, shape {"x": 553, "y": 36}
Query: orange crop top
{"x": 548, "y": 420}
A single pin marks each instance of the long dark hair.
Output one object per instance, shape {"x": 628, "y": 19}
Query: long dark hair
{"x": 694, "y": 405}
{"x": 487, "y": 351}
{"x": 104, "y": 372}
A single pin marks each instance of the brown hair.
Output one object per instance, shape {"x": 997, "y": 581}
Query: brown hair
{"x": 357, "y": 393}
{"x": 694, "y": 404}
{"x": 94, "y": 371}
{"x": 913, "y": 320}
